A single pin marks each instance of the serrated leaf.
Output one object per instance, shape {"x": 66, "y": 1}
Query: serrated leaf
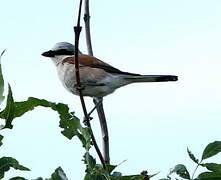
{"x": 90, "y": 162}
{"x": 181, "y": 170}
{"x": 7, "y": 162}
{"x": 17, "y": 109}
{"x": 85, "y": 136}
{"x": 211, "y": 149}
{"x": 70, "y": 123}
{"x": 209, "y": 176}
{"x": 70, "y": 126}
{"x": 191, "y": 155}
{"x": 212, "y": 167}
{"x": 58, "y": 175}
{"x": 1, "y": 80}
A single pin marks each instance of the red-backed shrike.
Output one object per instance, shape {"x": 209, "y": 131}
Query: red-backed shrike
{"x": 97, "y": 77}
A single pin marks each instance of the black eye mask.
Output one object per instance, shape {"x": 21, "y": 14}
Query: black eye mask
{"x": 53, "y": 53}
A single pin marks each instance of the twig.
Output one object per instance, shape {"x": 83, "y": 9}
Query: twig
{"x": 98, "y": 102}
{"x": 77, "y": 30}
{"x": 95, "y": 107}
{"x": 87, "y": 27}
{"x": 104, "y": 129}
{"x": 196, "y": 169}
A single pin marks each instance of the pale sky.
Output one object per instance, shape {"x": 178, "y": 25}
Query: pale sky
{"x": 150, "y": 125}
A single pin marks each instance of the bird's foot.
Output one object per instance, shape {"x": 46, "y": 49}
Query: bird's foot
{"x": 87, "y": 120}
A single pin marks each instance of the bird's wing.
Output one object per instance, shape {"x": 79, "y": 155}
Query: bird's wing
{"x": 93, "y": 62}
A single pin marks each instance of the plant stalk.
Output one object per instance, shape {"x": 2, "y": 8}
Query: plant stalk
{"x": 77, "y": 30}
{"x": 100, "y": 109}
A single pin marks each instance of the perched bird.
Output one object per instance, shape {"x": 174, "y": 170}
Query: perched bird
{"x": 97, "y": 77}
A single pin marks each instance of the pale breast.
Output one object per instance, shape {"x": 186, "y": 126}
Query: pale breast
{"x": 96, "y": 82}
{"x": 66, "y": 74}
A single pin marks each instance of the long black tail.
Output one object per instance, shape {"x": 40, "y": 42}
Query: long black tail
{"x": 151, "y": 78}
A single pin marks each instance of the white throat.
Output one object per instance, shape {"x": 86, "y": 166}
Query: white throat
{"x": 57, "y": 59}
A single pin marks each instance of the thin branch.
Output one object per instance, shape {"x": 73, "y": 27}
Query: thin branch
{"x": 87, "y": 27}
{"x": 198, "y": 164}
{"x": 104, "y": 129}
{"x": 98, "y": 102}
{"x": 77, "y": 30}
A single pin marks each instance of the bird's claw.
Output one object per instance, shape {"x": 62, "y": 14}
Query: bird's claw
{"x": 85, "y": 121}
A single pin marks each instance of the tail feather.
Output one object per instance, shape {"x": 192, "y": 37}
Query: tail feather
{"x": 152, "y": 78}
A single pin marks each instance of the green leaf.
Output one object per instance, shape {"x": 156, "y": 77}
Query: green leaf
{"x": 85, "y": 136}
{"x": 58, "y": 175}
{"x": 7, "y": 162}
{"x": 134, "y": 177}
{"x": 90, "y": 162}
{"x": 70, "y": 123}
{"x": 152, "y": 175}
{"x": 8, "y": 113}
{"x": 89, "y": 176}
{"x": 110, "y": 168}
{"x": 1, "y": 80}
{"x": 1, "y": 137}
{"x": 70, "y": 126}
{"x": 212, "y": 167}
{"x": 209, "y": 176}
{"x": 191, "y": 155}
{"x": 211, "y": 149}
{"x": 116, "y": 174}
{"x": 17, "y": 178}
{"x": 181, "y": 170}
{"x": 17, "y": 109}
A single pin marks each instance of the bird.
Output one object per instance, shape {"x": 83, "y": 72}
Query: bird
{"x": 97, "y": 77}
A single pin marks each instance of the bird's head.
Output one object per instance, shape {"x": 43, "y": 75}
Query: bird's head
{"x": 60, "y": 51}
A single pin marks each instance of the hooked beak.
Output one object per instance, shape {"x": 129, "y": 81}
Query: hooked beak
{"x": 48, "y": 54}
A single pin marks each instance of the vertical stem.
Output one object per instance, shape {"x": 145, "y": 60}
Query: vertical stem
{"x": 100, "y": 109}
{"x": 87, "y": 27}
{"x": 77, "y": 30}
{"x": 104, "y": 129}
